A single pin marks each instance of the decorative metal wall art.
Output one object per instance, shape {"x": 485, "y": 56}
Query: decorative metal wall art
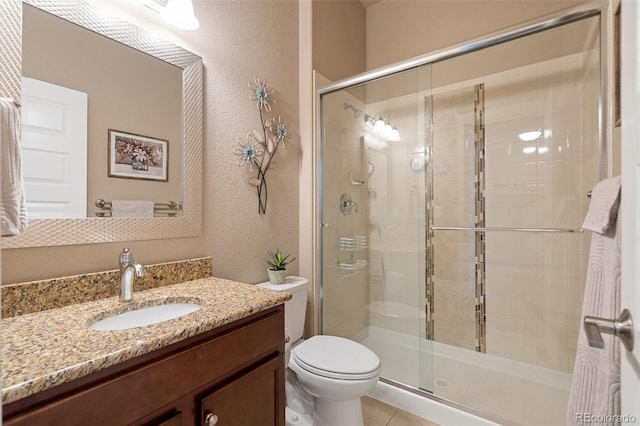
{"x": 259, "y": 147}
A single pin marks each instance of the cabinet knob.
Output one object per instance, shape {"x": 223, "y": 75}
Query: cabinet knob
{"x": 211, "y": 419}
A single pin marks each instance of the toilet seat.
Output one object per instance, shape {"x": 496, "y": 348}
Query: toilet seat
{"x": 336, "y": 358}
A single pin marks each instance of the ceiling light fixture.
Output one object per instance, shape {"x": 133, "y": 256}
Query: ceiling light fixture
{"x": 179, "y": 13}
{"x": 394, "y": 136}
{"x": 382, "y": 129}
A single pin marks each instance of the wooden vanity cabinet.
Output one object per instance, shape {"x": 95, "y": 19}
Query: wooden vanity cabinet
{"x": 234, "y": 373}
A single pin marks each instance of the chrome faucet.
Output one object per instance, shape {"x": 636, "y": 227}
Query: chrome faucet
{"x": 127, "y": 268}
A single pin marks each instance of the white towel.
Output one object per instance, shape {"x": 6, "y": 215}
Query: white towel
{"x": 595, "y": 390}
{"x": 13, "y": 207}
{"x": 604, "y": 210}
{"x": 131, "y": 208}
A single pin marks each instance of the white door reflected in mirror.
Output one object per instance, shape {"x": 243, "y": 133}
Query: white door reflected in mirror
{"x": 54, "y": 137}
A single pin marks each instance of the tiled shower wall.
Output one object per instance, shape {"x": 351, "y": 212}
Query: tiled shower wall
{"x": 345, "y": 288}
{"x": 397, "y": 217}
{"x": 534, "y": 281}
{"x": 453, "y": 170}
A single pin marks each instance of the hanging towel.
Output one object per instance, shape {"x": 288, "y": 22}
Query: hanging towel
{"x": 595, "y": 390}
{"x": 131, "y": 208}
{"x": 13, "y": 206}
{"x": 605, "y": 200}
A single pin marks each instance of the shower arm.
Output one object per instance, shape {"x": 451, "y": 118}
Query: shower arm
{"x": 356, "y": 112}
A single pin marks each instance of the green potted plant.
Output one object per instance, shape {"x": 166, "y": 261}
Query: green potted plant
{"x": 278, "y": 262}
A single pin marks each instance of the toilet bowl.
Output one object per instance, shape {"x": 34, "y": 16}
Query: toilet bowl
{"x": 337, "y": 372}
{"x": 326, "y": 375}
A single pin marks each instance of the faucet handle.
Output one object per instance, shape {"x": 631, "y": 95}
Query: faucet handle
{"x": 126, "y": 256}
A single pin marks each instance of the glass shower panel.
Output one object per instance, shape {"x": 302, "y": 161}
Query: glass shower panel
{"x": 456, "y": 257}
{"x": 344, "y": 238}
{"x": 421, "y": 164}
{"x": 373, "y": 160}
{"x": 515, "y": 140}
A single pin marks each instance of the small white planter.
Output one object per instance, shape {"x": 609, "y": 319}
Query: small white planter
{"x": 277, "y": 277}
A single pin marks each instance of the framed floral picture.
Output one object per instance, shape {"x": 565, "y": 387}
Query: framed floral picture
{"x": 134, "y": 156}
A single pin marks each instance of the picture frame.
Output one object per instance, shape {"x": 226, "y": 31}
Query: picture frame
{"x": 134, "y": 156}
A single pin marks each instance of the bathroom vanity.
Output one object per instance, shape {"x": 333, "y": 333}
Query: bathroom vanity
{"x": 223, "y": 364}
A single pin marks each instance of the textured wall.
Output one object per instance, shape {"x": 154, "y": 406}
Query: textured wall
{"x": 400, "y": 29}
{"x": 338, "y": 38}
{"x": 237, "y": 40}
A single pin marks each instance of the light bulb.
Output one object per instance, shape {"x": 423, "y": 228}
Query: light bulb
{"x": 369, "y": 122}
{"x": 394, "y": 135}
{"x": 179, "y": 13}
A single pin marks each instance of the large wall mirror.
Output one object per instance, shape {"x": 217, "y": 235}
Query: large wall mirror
{"x": 138, "y": 93}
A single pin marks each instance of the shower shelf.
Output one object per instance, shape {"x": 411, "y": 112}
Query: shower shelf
{"x": 354, "y": 243}
{"x": 356, "y": 181}
{"x": 353, "y": 265}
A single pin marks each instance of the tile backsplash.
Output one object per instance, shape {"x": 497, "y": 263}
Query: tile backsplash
{"x": 35, "y": 296}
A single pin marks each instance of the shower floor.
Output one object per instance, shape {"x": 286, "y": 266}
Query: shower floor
{"x": 508, "y": 391}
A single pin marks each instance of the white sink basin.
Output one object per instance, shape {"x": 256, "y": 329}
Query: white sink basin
{"x": 145, "y": 316}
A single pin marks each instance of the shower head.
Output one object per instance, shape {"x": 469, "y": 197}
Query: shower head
{"x": 356, "y": 112}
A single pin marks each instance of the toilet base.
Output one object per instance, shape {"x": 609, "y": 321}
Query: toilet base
{"x": 328, "y": 412}
{"x": 293, "y": 418}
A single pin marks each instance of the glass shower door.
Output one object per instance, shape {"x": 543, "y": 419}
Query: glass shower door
{"x": 515, "y": 148}
{"x": 373, "y": 216}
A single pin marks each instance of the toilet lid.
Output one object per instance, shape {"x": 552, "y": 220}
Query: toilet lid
{"x": 336, "y": 357}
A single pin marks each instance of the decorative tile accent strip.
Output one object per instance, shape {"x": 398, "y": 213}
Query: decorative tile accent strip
{"x": 36, "y": 296}
{"x": 429, "y": 213}
{"x": 480, "y": 264}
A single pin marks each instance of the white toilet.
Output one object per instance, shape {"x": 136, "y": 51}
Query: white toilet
{"x": 332, "y": 373}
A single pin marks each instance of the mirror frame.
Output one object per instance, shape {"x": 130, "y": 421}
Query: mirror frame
{"x": 55, "y": 232}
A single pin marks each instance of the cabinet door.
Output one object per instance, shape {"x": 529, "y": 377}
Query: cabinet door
{"x": 256, "y": 398}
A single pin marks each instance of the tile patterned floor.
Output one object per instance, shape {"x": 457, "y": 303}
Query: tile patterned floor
{"x": 377, "y": 413}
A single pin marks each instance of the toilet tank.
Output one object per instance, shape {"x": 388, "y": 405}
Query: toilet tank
{"x": 294, "y": 309}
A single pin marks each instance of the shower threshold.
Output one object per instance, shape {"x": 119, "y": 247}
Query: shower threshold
{"x": 492, "y": 387}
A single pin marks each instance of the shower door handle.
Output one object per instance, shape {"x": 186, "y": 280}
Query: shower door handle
{"x": 621, "y": 327}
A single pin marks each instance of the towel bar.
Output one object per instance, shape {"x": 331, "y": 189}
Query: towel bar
{"x": 484, "y": 229}
{"x": 170, "y": 209}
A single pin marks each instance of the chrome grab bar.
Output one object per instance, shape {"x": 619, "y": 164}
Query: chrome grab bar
{"x": 472, "y": 229}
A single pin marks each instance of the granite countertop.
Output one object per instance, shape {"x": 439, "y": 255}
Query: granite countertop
{"x": 44, "y": 349}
